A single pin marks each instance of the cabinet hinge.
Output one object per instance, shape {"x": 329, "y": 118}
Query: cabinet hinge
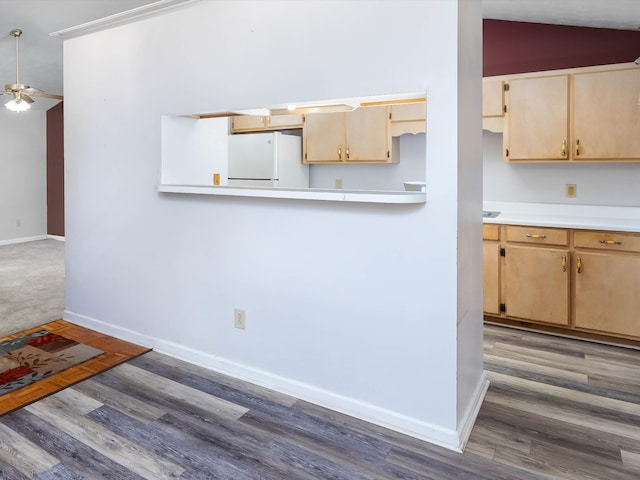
{"x": 506, "y": 152}
{"x": 388, "y": 154}
{"x": 389, "y": 115}
{"x": 503, "y": 308}
{"x": 506, "y": 87}
{"x": 503, "y": 252}
{"x": 505, "y": 109}
{"x": 304, "y": 118}
{"x": 305, "y": 155}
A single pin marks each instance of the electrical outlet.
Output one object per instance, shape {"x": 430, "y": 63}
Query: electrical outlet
{"x": 571, "y": 190}
{"x": 240, "y": 319}
{"x": 18, "y": 222}
{"x": 338, "y": 183}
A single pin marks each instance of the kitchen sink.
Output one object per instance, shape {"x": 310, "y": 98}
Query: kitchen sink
{"x": 488, "y": 214}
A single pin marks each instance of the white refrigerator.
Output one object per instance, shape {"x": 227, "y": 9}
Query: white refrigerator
{"x": 271, "y": 159}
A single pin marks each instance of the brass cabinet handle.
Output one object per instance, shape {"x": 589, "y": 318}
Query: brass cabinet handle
{"x": 564, "y": 263}
{"x": 564, "y": 148}
{"x": 577, "y": 148}
{"x": 610, "y": 242}
{"x": 347, "y": 153}
{"x": 340, "y": 152}
{"x": 579, "y": 265}
{"x": 535, "y": 235}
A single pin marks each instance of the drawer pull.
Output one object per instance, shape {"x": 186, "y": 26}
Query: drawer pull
{"x": 535, "y": 235}
{"x": 579, "y": 265}
{"x": 564, "y": 149}
{"x": 610, "y": 242}
{"x": 564, "y": 263}
{"x": 340, "y": 152}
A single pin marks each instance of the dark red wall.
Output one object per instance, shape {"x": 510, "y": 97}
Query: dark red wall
{"x": 55, "y": 170}
{"x": 518, "y": 47}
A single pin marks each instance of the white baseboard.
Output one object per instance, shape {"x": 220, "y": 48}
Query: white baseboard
{"x": 432, "y": 433}
{"x": 470, "y": 415}
{"x": 56, "y": 237}
{"x": 11, "y": 241}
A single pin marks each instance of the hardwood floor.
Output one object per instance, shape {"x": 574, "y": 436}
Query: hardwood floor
{"x": 556, "y": 408}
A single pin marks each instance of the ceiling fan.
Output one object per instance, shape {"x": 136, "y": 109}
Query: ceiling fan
{"x": 21, "y": 94}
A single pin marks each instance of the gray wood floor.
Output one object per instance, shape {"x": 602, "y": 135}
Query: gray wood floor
{"x": 556, "y": 408}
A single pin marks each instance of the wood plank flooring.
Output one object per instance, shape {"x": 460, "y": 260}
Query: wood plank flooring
{"x": 115, "y": 351}
{"x": 556, "y": 408}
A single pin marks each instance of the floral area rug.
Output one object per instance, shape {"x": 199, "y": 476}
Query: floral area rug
{"x": 25, "y": 360}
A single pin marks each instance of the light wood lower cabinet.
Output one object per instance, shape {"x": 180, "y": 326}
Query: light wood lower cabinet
{"x": 537, "y": 284}
{"x": 607, "y": 282}
{"x": 491, "y": 269}
{"x": 580, "y": 280}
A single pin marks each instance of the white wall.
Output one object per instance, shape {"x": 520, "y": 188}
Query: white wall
{"x": 616, "y": 184}
{"x": 193, "y": 150}
{"x": 23, "y": 175}
{"x": 353, "y": 306}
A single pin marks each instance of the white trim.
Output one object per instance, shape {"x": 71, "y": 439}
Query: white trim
{"x": 121, "y": 18}
{"x": 23, "y": 240}
{"x": 56, "y": 237}
{"x": 469, "y": 418}
{"x": 435, "y": 434}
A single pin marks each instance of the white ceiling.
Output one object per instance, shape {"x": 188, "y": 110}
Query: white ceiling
{"x": 41, "y": 55}
{"x": 618, "y": 14}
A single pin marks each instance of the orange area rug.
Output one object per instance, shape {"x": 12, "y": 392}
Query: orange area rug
{"x": 40, "y": 361}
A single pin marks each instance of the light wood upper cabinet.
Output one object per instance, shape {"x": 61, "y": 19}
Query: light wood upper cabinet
{"x": 492, "y": 97}
{"x": 256, "y": 123}
{"x": 493, "y": 104}
{"x": 361, "y": 135}
{"x": 579, "y": 116}
{"x": 606, "y": 115}
{"x": 408, "y": 118}
{"x": 537, "y": 119}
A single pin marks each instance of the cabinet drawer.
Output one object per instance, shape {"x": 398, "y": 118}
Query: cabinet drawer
{"x": 538, "y": 235}
{"x": 613, "y": 241}
{"x": 491, "y": 232}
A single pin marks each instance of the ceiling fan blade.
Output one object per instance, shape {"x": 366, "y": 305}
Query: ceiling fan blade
{"x": 47, "y": 95}
{"x": 26, "y": 98}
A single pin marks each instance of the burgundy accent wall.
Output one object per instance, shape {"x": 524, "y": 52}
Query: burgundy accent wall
{"x": 55, "y": 170}
{"x": 519, "y": 47}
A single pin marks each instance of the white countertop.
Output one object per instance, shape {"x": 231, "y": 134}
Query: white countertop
{"x": 362, "y": 196}
{"x": 593, "y": 217}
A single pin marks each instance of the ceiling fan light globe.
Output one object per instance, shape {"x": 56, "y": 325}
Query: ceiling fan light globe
{"x": 17, "y": 106}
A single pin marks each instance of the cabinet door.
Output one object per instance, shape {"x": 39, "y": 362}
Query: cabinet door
{"x": 606, "y": 115}
{"x": 408, "y": 118}
{"x": 243, "y": 123}
{"x": 284, "y": 121}
{"x": 324, "y": 138}
{"x": 490, "y": 277}
{"x": 368, "y": 137}
{"x": 492, "y": 97}
{"x": 607, "y": 292}
{"x": 537, "y": 126}
{"x": 537, "y": 284}
{"x": 409, "y": 112}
